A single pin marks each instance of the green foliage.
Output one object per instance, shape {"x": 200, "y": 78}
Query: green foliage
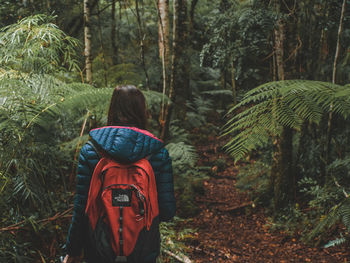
{"x": 253, "y": 178}
{"x": 239, "y": 33}
{"x": 116, "y": 75}
{"x": 331, "y": 201}
{"x": 338, "y": 213}
{"x": 174, "y": 235}
{"x": 199, "y": 110}
{"x": 320, "y": 197}
{"x": 33, "y": 169}
{"x": 182, "y": 155}
{"x": 335, "y": 242}
{"x": 35, "y": 44}
{"x": 187, "y": 175}
{"x": 267, "y": 108}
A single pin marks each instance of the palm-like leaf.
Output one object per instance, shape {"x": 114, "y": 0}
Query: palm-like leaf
{"x": 267, "y": 108}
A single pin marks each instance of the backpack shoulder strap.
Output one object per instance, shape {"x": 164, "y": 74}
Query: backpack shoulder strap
{"x": 93, "y": 145}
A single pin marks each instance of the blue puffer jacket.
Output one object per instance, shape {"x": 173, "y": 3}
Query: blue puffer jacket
{"x": 125, "y": 144}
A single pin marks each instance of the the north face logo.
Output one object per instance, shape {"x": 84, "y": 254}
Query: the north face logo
{"x": 121, "y": 197}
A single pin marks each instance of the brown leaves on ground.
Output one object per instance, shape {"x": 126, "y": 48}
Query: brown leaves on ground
{"x": 230, "y": 229}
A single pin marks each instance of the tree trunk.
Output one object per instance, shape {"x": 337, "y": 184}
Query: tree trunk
{"x": 179, "y": 90}
{"x": 164, "y": 51}
{"x": 193, "y": 6}
{"x": 282, "y": 177}
{"x": 87, "y": 42}
{"x": 279, "y": 37}
{"x": 142, "y": 47}
{"x": 164, "y": 32}
{"x": 113, "y": 41}
{"x": 281, "y": 181}
{"x": 340, "y": 30}
{"x": 167, "y": 110}
{"x": 102, "y": 45}
{"x": 330, "y": 116}
{"x": 181, "y": 59}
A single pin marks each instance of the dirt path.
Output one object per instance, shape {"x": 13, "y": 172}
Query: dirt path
{"x": 230, "y": 230}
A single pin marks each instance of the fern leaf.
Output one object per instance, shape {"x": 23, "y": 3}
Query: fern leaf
{"x": 281, "y": 103}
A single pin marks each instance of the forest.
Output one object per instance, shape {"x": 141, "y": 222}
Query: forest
{"x": 251, "y": 97}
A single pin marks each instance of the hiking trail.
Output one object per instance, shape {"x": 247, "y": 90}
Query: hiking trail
{"x": 230, "y": 229}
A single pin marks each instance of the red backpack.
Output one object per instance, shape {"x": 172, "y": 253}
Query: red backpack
{"x": 122, "y": 211}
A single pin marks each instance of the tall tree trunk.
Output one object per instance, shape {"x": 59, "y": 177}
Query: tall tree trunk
{"x": 164, "y": 32}
{"x": 178, "y": 7}
{"x": 279, "y": 37}
{"x": 281, "y": 171}
{"x": 142, "y": 47}
{"x": 330, "y": 116}
{"x": 113, "y": 40}
{"x": 167, "y": 109}
{"x": 282, "y": 182}
{"x": 102, "y": 45}
{"x": 87, "y": 42}
{"x": 181, "y": 69}
{"x": 179, "y": 77}
{"x": 193, "y": 6}
{"x": 162, "y": 7}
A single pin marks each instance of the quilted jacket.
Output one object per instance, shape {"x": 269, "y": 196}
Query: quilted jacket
{"x": 125, "y": 144}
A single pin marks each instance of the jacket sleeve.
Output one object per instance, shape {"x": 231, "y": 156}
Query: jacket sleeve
{"x": 162, "y": 167}
{"x": 88, "y": 159}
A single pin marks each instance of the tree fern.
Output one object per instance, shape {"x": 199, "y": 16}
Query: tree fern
{"x": 267, "y": 108}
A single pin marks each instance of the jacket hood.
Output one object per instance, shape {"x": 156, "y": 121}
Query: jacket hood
{"x": 126, "y": 144}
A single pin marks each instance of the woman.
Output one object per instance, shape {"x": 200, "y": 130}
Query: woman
{"x": 125, "y": 140}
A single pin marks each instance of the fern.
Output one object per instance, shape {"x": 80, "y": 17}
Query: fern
{"x": 338, "y": 213}
{"x": 48, "y": 104}
{"x": 174, "y": 239}
{"x": 267, "y": 108}
{"x": 178, "y": 134}
{"x": 335, "y": 242}
{"x": 182, "y": 154}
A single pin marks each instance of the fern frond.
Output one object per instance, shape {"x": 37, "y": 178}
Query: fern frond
{"x": 338, "y": 213}
{"x": 182, "y": 153}
{"x": 335, "y": 242}
{"x": 276, "y": 104}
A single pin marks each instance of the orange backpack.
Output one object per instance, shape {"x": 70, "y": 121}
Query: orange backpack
{"x": 122, "y": 211}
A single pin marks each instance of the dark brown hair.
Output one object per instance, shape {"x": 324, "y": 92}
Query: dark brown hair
{"x": 127, "y": 108}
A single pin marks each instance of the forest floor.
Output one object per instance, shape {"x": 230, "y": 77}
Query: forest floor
{"x": 229, "y": 229}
